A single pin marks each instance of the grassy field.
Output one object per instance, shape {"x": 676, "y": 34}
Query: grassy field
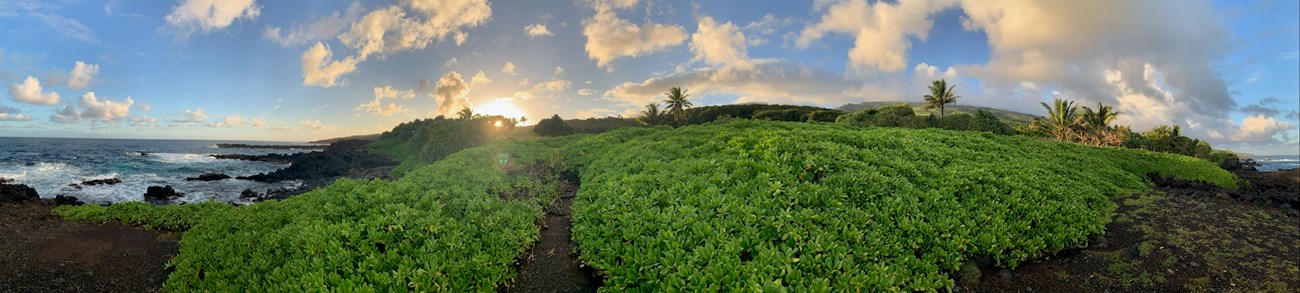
{"x": 1006, "y": 116}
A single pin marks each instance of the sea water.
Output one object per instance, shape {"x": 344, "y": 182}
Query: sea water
{"x": 51, "y": 165}
{"x": 1279, "y": 162}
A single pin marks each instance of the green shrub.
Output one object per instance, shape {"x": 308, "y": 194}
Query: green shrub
{"x": 554, "y": 126}
{"x": 816, "y": 207}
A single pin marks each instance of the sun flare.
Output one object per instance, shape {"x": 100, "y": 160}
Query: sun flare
{"x": 501, "y": 107}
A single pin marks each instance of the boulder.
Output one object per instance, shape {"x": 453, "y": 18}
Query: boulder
{"x": 17, "y": 193}
{"x": 161, "y": 193}
{"x": 109, "y": 181}
{"x": 209, "y": 177}
{"x": 249, "y": 193}
{"x": 64, "y": 200}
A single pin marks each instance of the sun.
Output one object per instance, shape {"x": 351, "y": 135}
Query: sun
{"x": 500, "y": 107}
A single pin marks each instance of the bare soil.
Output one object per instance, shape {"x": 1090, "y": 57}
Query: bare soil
{"x": 552, "y": 264}
{"x": 39, "y": 252}
{"x": 1179, "y": 237}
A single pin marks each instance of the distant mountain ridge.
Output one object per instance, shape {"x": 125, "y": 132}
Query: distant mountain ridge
{"x": 1005, "y": 115}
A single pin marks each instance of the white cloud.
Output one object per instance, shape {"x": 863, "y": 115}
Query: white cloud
{"x": 450, "y": 93}
{"x": 12, "y": 114}
{"x": 559, "y": 70}
{"x": 479, "y": 79}
{"x": 319, "y": 69}
{"x": 257, "y": 122}
{"x": 596, "y": 113}
{"x": 81, "y": 75}
{"x": 720, "y": 45}
{"x": 390, "y": 29}
{"x": 143, "y": 121}
{"x": 191, "y": 116}
{"x": 30, "y": 92}
{"x": 586, "y": 92}
{"x": 314, "y": 125}
{"x": 326, "y": 27}
{"x": 610, "y": 37}
{"x": 537, "y": 30}
{"x": 193, "y": 16}
{"x": 1259, "y": 129}
{"x": 143, "y": 106}
{"x": 229, "y": 121}
{"x": 510, "y": 69}
{"x": 766, "y": 82}
{"x": 450, "y": 63}
{"x": 880, "y": 30}
{"x": 377, "y": 106}
{"x": 105, "y": 109}
{"x": 553, "y": 85}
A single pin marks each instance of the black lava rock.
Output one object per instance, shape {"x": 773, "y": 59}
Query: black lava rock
{"x": 209, "y": 177}
{"x": 161, "y": 193}
{"x": 17, "y": 193}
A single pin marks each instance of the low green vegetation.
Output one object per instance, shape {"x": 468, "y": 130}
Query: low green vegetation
{"x": 817, "y": 207}
{"x": 424, "y": 141}
{"x": 455, "y": 225}
{"x": 554, "y": 126}
{"x": 1008, "y": 117}
{"x": 903, "y": 115}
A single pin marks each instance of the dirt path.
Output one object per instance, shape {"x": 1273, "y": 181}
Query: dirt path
{"x": 41, "y": 253}
{"x": 552, "y": 265}
{"x": 1177, "y": 239}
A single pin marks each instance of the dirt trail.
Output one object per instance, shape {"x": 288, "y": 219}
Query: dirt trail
{"x": 39, "y": 252}
{"x": 552, "y": 265}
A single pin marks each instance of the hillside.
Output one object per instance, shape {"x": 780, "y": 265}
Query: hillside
{"x": 1005, "y": 115}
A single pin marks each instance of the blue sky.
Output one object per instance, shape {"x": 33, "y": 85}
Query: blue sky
{"x": 1225, "y": 71}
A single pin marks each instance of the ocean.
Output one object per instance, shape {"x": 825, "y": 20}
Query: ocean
{"x": 50, "y": 165}
{"x": 1278, "y": 162}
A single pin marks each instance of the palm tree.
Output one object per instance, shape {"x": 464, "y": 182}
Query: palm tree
{"x": 1061, "y": 119}
{"x": 1097, "y": 123}
{"x": 651, "y": 116}
{"x": 677, "y": 104}
{"x": 940, "y": 94}
{"x": 465, "y": 114}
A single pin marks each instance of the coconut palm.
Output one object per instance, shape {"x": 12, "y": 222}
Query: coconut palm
{"x": 940, "y": 94}
{"x": 677, "y": 104}
{"x": 652, "y": 115}
{"x": 465, "y": 114}
{"x": 1062, "y": 117}
{"x": 1097, "y": 125}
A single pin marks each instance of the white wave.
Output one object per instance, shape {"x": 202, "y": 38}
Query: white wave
{"x": 182, "y": 158}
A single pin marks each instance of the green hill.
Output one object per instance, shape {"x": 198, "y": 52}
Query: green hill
{"x": 1005, "y": 115}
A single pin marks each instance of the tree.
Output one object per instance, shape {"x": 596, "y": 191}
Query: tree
{"x": 677, "y": 104}
{"x": 1061, "y": 119}
{"x": 940, "y": 94}
{"x": 554, "y": 126}
{"x": 1096, "y": 124}
{"x": 465, "y": 114}
{"x": 652, "y": 115}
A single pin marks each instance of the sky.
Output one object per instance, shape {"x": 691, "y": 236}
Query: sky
{"x": 1225, "y": 71}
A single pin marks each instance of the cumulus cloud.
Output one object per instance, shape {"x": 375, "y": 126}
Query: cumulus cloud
{"x": 451, "y": 92}
{"x": 319, "y": 68}
{"x": 81, "y": 75}
{"x": 191, "y": 116}
{"x": 378, "y": 107}
{"x": 192, "y": 16}
{"x": 143, "y": 121}
{"x": 314, "y": 125}
{"x": 881, "y": 30}
{"x": 30, "y": 92}
{"x": 479, "y": 79}
{"x": 257, "y": 122}
{"x": 1259, "y": 128}
{"x": 12, "y": 114}
{"x": 390, "y": 29}
{"x": 510, "y": 69}
{"x": 537, "y": 30}
{"x": 104, "y": 109}
{"x": 324, "y": 28}
{"x": 586, "y": 92}
{"x": 67, "y": 115}
{"x": 720, "y": 44}
{"x": 610, "y": 37}
{"x": 229, "y": 121}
